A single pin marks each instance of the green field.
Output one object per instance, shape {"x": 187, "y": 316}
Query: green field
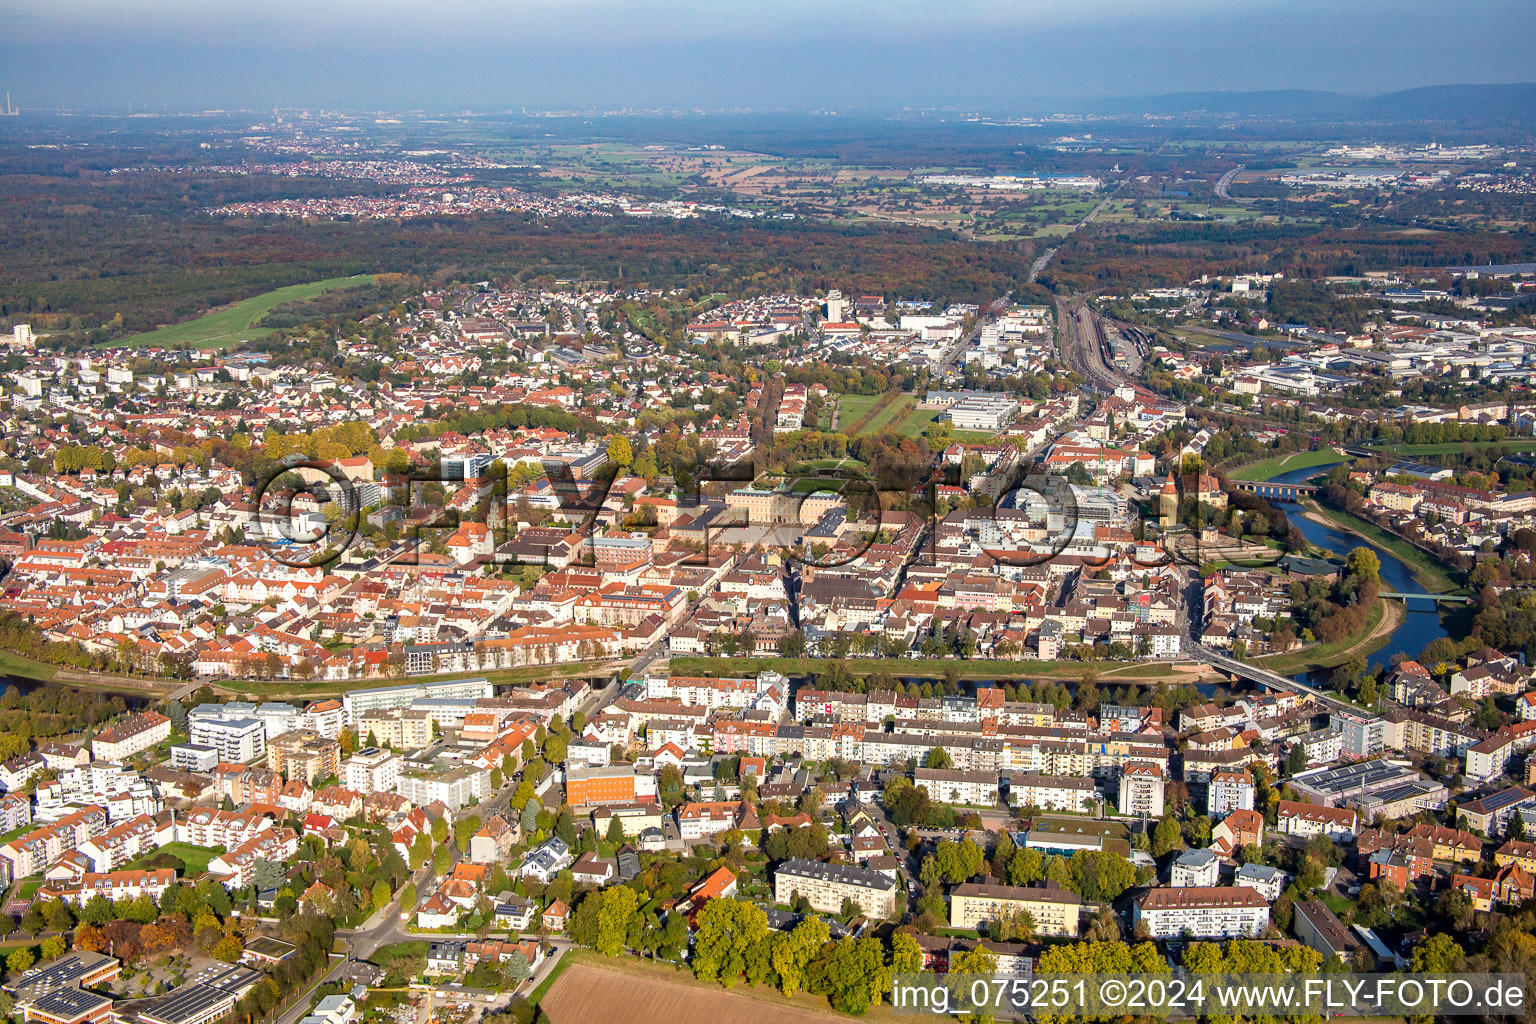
{"x": 1270, "y": 468}
{"x": 1458, "y": 447}
{"x": 852, "y": 408}
{"x": 194, "y": 859}
{"x": 232, "y": 324}
{"x": 26, "y": 668}
{"x": 891, "y": 414}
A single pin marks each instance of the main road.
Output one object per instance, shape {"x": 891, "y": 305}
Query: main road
{"x": 1224, "y": 184}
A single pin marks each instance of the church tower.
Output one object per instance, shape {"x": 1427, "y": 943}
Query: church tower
{"x": 1168, "y": 504}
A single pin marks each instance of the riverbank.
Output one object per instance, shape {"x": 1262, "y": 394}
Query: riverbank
{"x": 1266, "y": 469}
{"x": 1434, "y": 575}
{"x": 159, "y": 688}
{"x": 1380, "y": 623}
{"x": 26, "y": 668}
{"x": 937, "y": 668}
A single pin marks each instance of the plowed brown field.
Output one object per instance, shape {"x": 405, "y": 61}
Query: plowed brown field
{"x": 592, "y": 994}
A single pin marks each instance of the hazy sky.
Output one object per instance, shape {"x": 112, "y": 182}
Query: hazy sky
{"x": 988, "y": 54}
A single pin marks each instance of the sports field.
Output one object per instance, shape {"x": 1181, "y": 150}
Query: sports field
{"x": 230, "y": 325}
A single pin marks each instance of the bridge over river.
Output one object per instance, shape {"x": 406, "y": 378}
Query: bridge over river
{"x": 1276, "y": 489}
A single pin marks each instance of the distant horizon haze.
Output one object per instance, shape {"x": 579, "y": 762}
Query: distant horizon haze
{"x": 989, "y": 56}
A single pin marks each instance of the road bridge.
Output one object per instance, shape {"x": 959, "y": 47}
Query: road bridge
{"x": 1439, "y": 598}
{"x": 1264, "y": 677}
{"x": 1274, "y": 489}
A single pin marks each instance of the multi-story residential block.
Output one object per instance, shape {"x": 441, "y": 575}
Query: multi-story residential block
{"x": 1491, "y": 814}
{"x": 42, "y": 847}
{"x": 1229, "y": 790}
{"x": 1057, "y": 912}
{"x": 1211, "y": 912}
{"x": 135, "y": 733}
{"x": 371, "y": 771}
{"x": 122, "y": 843}
{"x": 396, "y": 728}
{"x": 117, "y": 886}
{"x": 235, "y": 740}
{"x": 1141, "y": 789}
{"x": 358, "y": 703}
{"x": 15, "y": 811}
{"x": 1264, "y": 879}
{"x": 1051, "y": 793}
{"x": 1199, "y": 868}
{"x": 237, "y": 868}
{"x": 827, "y": 886}
{"x": 1298, "y": 819}
{"x": 326, "y": 717}
{"x": 951, "y": 786}
{"x": 454, "y": 787}
{"x": 209, "y": 826}
{"x": 302, "y": 754}
{"x": 709, "y": 818}
{"x": 122, "y": 792}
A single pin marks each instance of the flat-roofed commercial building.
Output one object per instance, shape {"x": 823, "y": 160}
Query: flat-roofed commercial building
{"x": 1056, "y": 911}
{"x": 611, "y": 784}
{"x": 70, "y": 1006}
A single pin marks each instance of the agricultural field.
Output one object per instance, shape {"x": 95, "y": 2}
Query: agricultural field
{"x": 591, "y": 990}
{"x": 230, "y": 325}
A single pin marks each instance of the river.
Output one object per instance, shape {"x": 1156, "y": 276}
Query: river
{"x": 1420, "y": 625}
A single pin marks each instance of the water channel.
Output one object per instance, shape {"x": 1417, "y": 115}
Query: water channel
{"x": 1420, "y": 625}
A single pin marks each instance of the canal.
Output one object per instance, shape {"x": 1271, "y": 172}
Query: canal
{"x": 1420, "y": 625}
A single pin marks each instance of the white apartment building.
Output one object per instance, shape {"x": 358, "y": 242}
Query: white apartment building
{"x": 1199, "y": 868}
{"x": 1299, "y": 819}
{"x": 1209, "y": 912}
{"x": 1051, "y": 792}
{"x": 455, "y": 787}
{"x": 1228, "y": 790}
{"x": 131, "y": 735}
{"x": 241, "y": 740}
{"x": 1056, "y": 911}
{"x": 359, "y": 702}
{"x": 1141, "y": 789}
{"x": 1263, "y": 879}
{"x": 209, "y": 826}
{"x": 101, "y": 783}
{"x": 371, "y": 771}
{"x": 949, "y": 786}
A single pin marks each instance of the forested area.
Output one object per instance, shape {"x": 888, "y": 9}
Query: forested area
{"x": 1171, "y": 254}
{"x": 80, "y": 252}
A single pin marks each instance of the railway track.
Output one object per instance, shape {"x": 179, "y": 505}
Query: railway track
{"x": 1084, "y": 345}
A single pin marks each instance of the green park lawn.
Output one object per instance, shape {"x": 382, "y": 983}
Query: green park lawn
{"x": 194, "y": 859}
{"x": 234, "y": 323}
{"x": 1269, "y": 468}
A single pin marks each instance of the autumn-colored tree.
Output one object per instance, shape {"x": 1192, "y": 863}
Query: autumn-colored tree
{"x": 88, "y": 937}
{"x": 229, "y": 949}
